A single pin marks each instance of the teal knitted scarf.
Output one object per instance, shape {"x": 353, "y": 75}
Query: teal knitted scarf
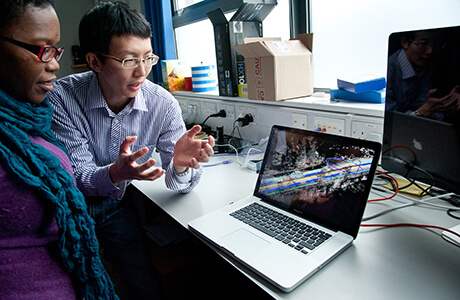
{"x": 41, "y": 171}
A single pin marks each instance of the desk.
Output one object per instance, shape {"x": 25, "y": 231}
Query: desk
{"x": 382, "y": 263}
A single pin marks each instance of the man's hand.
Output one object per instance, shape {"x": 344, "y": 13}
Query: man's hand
{"x": 126, "y": 168}
{"x": 190, "y": 152}
{"x": 442, "y": 105}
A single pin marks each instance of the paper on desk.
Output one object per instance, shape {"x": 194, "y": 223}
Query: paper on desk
{"x": 452, "y": 237}
{"x": 411, "y": 189}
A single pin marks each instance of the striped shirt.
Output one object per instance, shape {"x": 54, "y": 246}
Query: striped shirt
{"x": 407, "y": 87}
{"x": 92, "y": 133}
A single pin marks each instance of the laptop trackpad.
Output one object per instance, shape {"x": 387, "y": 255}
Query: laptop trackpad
{"x": 244, "y": 242}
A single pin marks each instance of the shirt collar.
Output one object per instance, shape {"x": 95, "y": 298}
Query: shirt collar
{"x": 406, "y": 67}
{"x": 96, "y": 98}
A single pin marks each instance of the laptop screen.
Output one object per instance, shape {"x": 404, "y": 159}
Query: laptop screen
{"x": 421, "y": 138}
{"x": 324, "y": 178}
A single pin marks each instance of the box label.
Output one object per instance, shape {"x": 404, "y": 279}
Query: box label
{"x": 259, "y": 81}
{"x": 243, "y": 90}
{"x": 260, "y": 95}
{"x": 242, "y": 84}
{"x": 258, "y": 66}
{"x": 281, "y": 46}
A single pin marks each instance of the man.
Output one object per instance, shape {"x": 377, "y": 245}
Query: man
{"x": 111, "y": 119}
{"x": 410, "y": 88}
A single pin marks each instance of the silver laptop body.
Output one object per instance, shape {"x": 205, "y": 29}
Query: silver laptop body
{"x": 319, "y": 181}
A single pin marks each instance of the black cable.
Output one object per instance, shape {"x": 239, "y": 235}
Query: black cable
{"x": 221, "y": 114}
{"x": 450, "y": 214}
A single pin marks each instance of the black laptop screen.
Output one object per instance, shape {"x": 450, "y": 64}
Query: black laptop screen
{"x": 421, "y": 138}
{"x": 325, "y": 178}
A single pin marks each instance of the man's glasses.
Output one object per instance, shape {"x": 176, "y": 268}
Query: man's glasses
{"x": 133, "y": 62}
{"x": 44, "y": 53}
{"x": 425, "y": 44}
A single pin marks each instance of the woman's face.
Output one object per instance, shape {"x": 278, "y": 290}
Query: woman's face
{"x": 22, "y": 74}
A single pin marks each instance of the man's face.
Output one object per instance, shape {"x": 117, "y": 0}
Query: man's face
{"x": 420, "y": 51}
{"x": 119, "y": 85}
{"x": 23, "y": 75}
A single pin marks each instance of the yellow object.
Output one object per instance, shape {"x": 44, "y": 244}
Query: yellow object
{"x": 200, "y": 135}
{"x": 411, "y": 189}
{"x": 174, "y": 73}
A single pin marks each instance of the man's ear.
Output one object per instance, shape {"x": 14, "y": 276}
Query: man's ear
{"x": 93, "y": 61}
{"x": 405, "y": 42}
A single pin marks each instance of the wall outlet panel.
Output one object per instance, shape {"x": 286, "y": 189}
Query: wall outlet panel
{"x": 208, "y": 108}
{"x": 329, "y": 125}
{"x": 243, "y": 110}
{"x": 299, "y": 121}
{"x": 182, "y": 104}
{"x": 360, "y": 124}
{"x": 229, "y": 110}
{"x": 367, "y": 131}
{"x": 196, "y": 104}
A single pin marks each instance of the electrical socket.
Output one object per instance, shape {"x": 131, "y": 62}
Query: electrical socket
{"x": 299, "y": 121}
{"x": 243, "y": 110}
{"x": 182, "y": 104}
{"x": 208, "y": 108}
{"x": 367, "y": 131}
{"x": 330, "y": 125}
{"x": 229, "y": 110}
{"x": 197, "y": 105}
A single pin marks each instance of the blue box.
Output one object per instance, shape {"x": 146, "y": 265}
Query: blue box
{"x": 362, "y": 85}
{"x": 377, "y": 96}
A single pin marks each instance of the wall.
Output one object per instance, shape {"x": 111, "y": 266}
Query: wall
{"x": 317, "y": 112}
{"x": 70, "y": 14}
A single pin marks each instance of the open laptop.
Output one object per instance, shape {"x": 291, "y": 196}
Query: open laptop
{"x": 419, "y": 147}
{"x": 321, "y": 182}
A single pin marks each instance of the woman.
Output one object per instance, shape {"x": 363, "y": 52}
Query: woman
{"x": 48, "y": 248}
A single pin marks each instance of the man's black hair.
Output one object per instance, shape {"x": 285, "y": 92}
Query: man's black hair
{"x": 106, "y": 20}
{"x": 12, "y": 10}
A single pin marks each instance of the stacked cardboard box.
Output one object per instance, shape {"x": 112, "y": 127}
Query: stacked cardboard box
{"x": 276, "y": 69}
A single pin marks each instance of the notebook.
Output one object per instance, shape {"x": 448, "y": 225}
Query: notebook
{"x": 419, "y": 147}
{"x": 319, "y": 183}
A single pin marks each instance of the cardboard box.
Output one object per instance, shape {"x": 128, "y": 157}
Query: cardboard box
{"x": 276, "y": 69}
{"x": 174, "y": 73}
{"x": 245, "y": 22}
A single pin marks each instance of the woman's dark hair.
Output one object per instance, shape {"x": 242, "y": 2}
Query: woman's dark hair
{"x": 12, "y": 10}
{"x": 106, "y": 20}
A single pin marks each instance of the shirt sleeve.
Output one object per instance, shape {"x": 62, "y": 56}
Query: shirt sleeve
{"x": 173, "y": 129}
{"x": 91, "y": 179}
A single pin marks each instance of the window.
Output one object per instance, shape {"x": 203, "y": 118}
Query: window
{"x": 181, "y": 4}
{"x": 195, "y": 42}
{"x": 350, "y": 37}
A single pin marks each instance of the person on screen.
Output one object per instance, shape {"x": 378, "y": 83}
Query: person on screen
{"x": 410, "y": 78}
{"x": 47, "y": 245}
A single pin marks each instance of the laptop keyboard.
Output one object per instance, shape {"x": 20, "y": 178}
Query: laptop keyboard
{"x": 291, "y": 232}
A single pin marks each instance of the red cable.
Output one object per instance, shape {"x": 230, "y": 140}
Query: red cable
{"x": 396, "y": 189}
{"x": 405, "y": 147}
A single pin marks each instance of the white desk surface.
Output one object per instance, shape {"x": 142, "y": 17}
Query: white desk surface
{"x": 382, "y": 263}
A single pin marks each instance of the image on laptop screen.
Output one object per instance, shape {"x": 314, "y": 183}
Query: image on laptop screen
{"x": 322, "y": 177}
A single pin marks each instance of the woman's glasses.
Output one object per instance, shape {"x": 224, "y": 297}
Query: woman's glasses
{"x": 44, "y": 53}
